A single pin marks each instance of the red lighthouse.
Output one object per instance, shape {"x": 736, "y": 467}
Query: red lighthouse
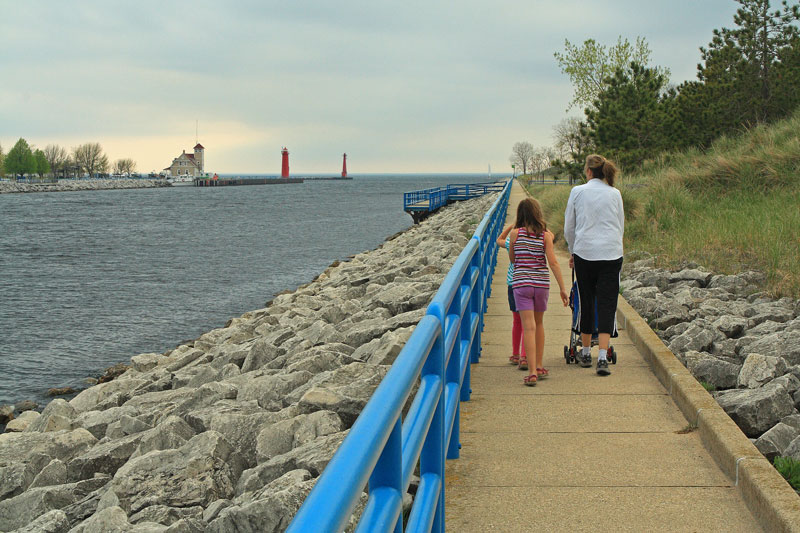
{"x": 284, "y": 163}
{"x": 344, "y": 165}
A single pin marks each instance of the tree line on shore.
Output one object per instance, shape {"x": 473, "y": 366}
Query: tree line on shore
{"x": 24, "y": 159}
{"x": 749, "y": 75}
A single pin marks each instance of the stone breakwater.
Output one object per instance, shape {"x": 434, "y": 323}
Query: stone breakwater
{"x": 230, "y": 431}
{"x": 81, "y": 185}
{"x": 737, "y": 341}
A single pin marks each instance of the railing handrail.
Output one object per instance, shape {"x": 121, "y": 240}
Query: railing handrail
{"x": 381, "y": 448}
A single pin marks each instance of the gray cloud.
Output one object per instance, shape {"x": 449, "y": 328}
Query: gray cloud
{"x": 425, "y": 86}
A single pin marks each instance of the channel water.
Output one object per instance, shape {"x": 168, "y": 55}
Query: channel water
{"x": 89, "y": 279}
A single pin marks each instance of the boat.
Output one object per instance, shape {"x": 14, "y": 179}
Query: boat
{"x": 177, "y": 181}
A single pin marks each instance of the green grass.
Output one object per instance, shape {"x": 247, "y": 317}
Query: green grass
{"x": 735, "y": 207}
{"x": 790, "y": 470}
{"x": 708, "y": 386}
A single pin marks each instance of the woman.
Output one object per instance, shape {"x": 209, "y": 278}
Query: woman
{"x": 593, "y": 226}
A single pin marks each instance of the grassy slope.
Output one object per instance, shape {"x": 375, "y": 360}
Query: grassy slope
{"x": 734, "y": 208}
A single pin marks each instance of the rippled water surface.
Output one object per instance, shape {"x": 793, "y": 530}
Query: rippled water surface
{"x": 88, "y": 279}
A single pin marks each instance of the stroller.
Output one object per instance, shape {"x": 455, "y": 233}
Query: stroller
{"x": 575, "y": 344}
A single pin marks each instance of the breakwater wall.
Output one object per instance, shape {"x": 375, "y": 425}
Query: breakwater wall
{"x": 80, "y": 185}
{"x": 229, "y": 432}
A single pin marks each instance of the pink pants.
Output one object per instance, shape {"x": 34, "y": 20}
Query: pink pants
{"x": 517, "y": 346}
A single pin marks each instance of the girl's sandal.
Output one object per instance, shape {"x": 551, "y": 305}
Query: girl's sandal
{"x": 530, "y": 380}
{"x": 542, "y": 372}
{"x": 514, "y": 359}
{"x": 523, "y": 363}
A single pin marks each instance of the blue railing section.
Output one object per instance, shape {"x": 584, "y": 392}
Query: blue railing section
{"x": 382, "y": 449}
{"x": 430, "y": 200}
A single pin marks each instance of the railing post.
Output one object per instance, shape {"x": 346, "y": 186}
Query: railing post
{"x": 465, "y": 332}
{"x": 431, "y": 459}
{"x": 474, "y": 306}
{"x": 388, "y": 475}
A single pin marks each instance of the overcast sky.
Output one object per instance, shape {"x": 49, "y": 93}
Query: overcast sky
{"x": 407, "y": 86}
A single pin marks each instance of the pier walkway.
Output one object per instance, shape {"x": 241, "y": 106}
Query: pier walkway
{"x": 578, "y": 452}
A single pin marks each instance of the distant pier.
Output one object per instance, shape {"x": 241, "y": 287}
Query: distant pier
{"x": 223, "y": 182}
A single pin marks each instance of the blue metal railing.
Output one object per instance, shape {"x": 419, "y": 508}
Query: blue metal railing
{"x": 430, "y": 200}
{"x": 381, "y": 448}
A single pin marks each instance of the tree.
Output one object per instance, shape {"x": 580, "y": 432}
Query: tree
{"x": 629, "y": 121}
{"x": 2, "y": 171}
{"x": 124, "y": 166}
{"x": 56, "y": 156}
{"x": 40, "y": 160}
{"x": 19, "y": 160}
{"x": 90, "y": 158}
{"x": 589, "y": 65}
{"x": 749, "y": 73}
{"x": 573, "y": 143}
{"x": 522, "y": 155}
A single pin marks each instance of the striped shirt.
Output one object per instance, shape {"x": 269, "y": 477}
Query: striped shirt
{"x": 530, "y": 264}
{"x": 510, "y": 274}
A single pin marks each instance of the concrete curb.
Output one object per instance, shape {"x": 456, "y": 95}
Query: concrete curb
{"x": 768, "y": 496}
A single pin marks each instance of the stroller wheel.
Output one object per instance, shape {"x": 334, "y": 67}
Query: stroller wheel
{"x": 566, "y": 354}
{"x": 612, "y": 355}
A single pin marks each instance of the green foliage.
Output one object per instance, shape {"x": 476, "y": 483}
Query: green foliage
{"x": 708, "y": 386}
{"x": 2, "y": 157}
{"x": 790, "y": 470}
{"x": 589, "y": 65}
{"x": 630, "y": 121}
{"x": 41, "y": 163}
{"x": 750, "y": 74}
{"x": 19, "y": 160}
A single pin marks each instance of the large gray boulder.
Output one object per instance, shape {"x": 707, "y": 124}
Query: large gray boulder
{"x": 96, "y": 422}
{"x": 54, "y": 521}
{"x": 282, "y": 437}
{"x": 756, "y": 410}
{"x": 270, "y": 509}
{"x": 730, "y": 326}
{"x": 344, "y": 391}
{"x": 793, "y": 449}
{"x": 270, "y": 391}
{"x": 25, "y": 454}
{"x": 24, "y": 508}
{"x": 202, "y": 470}
{"x": 775, "y": 441}
{"x": 173, "y": 432}
{"x": 780, "y": 344}
{"x": 697, "y": 338}
{"x": 20, "y": 423}
{"x": 722, "y": 374}
{"x": 92, "y": 397}
{"x": 312, "y": 456}
{"x": 104, "y": 458}
{"x": 383, "y": 351}
{"x": 758, "y": 370}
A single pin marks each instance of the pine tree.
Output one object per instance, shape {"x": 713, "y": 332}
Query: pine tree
{"x": 629, "y": 121}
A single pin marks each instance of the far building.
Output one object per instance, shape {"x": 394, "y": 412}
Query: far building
{"x": 188, "y": 164}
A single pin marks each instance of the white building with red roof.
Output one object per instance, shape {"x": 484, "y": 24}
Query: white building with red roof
{"x": 187, "y": 164}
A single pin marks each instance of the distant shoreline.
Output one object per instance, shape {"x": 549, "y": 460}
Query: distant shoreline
{"x": 9, "y": 187}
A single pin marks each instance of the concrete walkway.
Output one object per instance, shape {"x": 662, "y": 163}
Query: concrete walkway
{"x": 578, "y": 452}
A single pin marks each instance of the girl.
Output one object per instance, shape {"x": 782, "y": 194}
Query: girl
{"x": 593, "y": 226}
{"x": 517, "y": 346}
{"x": 531, "y": 251}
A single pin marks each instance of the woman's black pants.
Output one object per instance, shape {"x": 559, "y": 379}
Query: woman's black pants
{"x": 598, "y": 280}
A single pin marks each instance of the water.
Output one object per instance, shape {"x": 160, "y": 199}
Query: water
{"x": 89, "y": 279}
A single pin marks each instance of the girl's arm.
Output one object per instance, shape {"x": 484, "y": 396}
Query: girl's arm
{"x": 501, "y": 240}
{"x": 514, "y": 234}
{"x": 550, "y": 253}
